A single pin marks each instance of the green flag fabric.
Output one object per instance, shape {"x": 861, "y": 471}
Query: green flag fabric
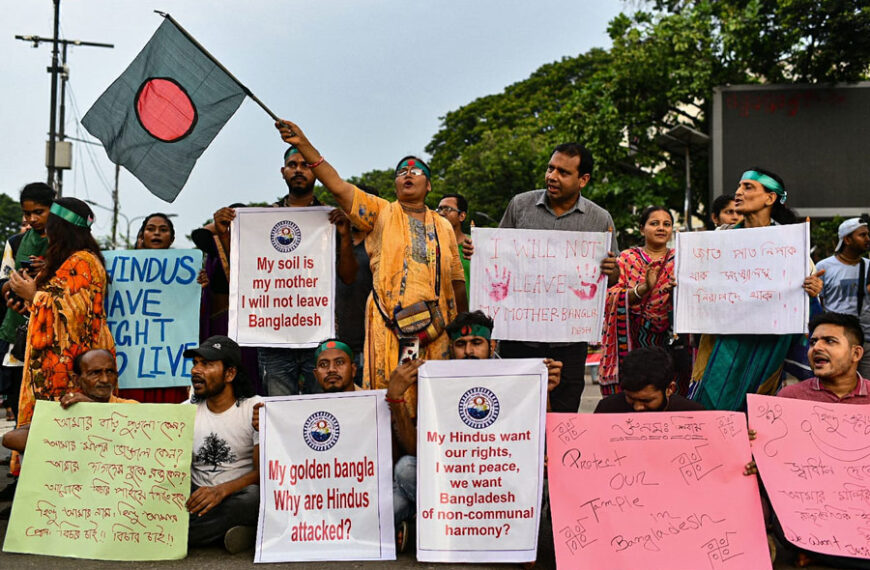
{"x": 159, "y": 116}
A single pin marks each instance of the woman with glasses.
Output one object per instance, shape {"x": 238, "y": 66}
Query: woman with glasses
{"x": 418, "y": 282}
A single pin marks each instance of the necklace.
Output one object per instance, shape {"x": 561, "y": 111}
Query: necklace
{"x": 847, "y": 260}
{"x": 412, "y": 209}
{"x": 655, "y": 254}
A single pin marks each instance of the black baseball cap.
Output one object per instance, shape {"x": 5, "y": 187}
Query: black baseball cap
{"x": 217, "y": 347}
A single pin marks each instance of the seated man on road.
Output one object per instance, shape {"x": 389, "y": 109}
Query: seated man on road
{"x": 96, "y": 374}
{"x": 470, "y": 338}
{"x": 225, "y": 494}
{"x": 647, "y": 379}
{"x": 836, "y": 349}
{"x": 334, "y": 370}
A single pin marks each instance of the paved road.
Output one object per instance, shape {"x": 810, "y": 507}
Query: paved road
{"x": 215, "y": 557}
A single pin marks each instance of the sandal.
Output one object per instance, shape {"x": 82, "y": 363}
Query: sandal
{"x": 402, "y": 537}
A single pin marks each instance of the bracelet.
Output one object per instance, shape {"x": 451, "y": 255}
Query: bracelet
{"x": 394, "y": 400}
{"x": 316, "y": 163}
{"x": 636, "y": 294}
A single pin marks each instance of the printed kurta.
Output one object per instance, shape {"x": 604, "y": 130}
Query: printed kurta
{"x": 403, "y": 260}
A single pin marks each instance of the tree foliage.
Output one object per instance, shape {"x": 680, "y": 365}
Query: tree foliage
{"x": 10, "y": 217}
{"x": 660, "y": 72}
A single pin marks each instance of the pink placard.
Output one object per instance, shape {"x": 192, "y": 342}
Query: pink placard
{"x": 654, "y": 490}
{"x": 814, "y": 459}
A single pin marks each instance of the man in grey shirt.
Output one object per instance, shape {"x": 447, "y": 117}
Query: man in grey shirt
{"x": 561, "y": 207}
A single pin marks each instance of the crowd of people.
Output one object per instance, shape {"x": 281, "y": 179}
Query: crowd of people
{"x": 404, "y": 285}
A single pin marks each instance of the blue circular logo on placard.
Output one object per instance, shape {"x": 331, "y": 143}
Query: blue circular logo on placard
{"x": 478, "y": 408}
{"x": 285, "y": 236}
{"x": 321, "y": 431}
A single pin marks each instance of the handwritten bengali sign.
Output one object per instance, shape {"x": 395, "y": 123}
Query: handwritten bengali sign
{"x": 282, "y": 282}
{"x": 540, "y": 283}
{"x": 326, "y": 478}
{"x": 152, "y": 309}
{"x": 654, "y": 490}
{"x": 480, "y": 452}
{"x": 746, "y": 281}
{"x": 104, "y": 481}
{"x": 814, "y": 459}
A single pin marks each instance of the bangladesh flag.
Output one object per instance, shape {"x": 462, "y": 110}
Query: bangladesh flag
{"x": 159, "y": 116}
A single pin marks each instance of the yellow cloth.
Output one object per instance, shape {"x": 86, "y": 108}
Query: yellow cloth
{"x": 66, "y": 319}
{"x": 389, "y": 245}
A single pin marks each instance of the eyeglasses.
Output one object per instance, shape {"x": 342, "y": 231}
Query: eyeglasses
{"x": 447, "y": 210}
{"x": 415, "y": 171}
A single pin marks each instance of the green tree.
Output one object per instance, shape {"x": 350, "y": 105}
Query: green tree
{"x": 10, "y": 217}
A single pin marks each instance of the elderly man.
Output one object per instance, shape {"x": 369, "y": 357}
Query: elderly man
{"x": 225, "y": 494}
{"x": 96, "y": 374}
{"x": 470, "y": 338}
{"x": 560, "y": 206}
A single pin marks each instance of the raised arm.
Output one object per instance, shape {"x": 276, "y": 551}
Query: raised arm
{"x": 325, "y": 173}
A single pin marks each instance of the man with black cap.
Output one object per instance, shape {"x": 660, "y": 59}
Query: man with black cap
{"x": 224, "y": 498}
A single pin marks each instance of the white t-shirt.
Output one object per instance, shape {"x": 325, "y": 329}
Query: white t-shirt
{"x": 223, "y": 444}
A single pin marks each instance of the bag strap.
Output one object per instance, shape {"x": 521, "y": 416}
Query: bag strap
{"x": 861, "y": 285}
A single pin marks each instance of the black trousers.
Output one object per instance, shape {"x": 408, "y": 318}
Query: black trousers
{"x": 566, "y": 396}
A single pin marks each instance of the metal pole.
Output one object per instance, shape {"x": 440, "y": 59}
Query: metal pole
{"x": 53, "y": 114}
{"x": 687, "y": 205}
{"x": 61, "y": 129}
{"x": 115, "y": 208}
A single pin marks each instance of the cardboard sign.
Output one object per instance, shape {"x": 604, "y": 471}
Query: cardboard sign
{"x": 152, "y": 309}
{"x": 746, "y": 281}
{"x": 540, "y": 284}
{"x": 655, "y": 490}
{"x": 814, "y": 459}
{"x": 282, "y": 282}
{"x": 104, "y": 481}
{"x": 480, "y": 452}
{"x": 326, "y": 486}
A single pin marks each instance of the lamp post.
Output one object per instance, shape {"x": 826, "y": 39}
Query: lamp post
{"x": 114, "y": 222}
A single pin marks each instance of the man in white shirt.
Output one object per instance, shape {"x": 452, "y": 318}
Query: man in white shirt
{"x": 225, "y": 492}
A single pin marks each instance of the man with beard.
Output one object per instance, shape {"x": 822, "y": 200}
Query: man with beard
{"x": 224, "y": 474}
{"x": 281, "y": 368}
{"x": 470, "y": 336}
{"x": 335, "y": 367}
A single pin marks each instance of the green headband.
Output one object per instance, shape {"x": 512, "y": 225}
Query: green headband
{"x": 329, "y": 344}
{"x": 414, "y": 163}
{"x": 289, "y": 151}
{"x": 71, "y": 216}
{"x": 471, "y": 330}
{"x": 768, "y": 182}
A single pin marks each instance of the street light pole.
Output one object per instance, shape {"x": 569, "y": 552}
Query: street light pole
{"x": 115, "y": 214}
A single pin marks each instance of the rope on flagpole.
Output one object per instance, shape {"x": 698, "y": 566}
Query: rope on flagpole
{"x": 217, "y": 63}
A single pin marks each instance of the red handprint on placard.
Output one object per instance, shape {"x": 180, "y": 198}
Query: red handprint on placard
{"x": 499, "y": 286}
{"x": 588, "y": 286}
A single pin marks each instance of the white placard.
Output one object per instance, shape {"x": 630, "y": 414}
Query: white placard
{"x": 480, "y": 457}
{"x": 540, "y": 284}
{"x": 282, "y": 277}
{"x": 326, "y": 478}
{"x": 746, "y": 281}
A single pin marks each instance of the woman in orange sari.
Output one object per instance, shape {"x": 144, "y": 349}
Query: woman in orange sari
{"x": 414, "y": 259}
{"x": 66, "y": 306}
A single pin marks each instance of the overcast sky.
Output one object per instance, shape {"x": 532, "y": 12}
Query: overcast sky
{"x": 366, "y": 79}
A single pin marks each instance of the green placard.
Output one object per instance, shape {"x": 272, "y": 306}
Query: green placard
{"x": 104, "y": 481}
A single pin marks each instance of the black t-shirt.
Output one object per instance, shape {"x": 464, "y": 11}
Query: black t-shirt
{"x": 616, "y": 404}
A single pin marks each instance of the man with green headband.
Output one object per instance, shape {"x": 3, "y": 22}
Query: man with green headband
{"x": 334, "y": 367}
{"x": 470, "y": 336}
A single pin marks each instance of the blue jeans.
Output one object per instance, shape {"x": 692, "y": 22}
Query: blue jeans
{"x": 280, "y": 369}
{"x": 239, "y": 509}
{"x": 405, "y": 489}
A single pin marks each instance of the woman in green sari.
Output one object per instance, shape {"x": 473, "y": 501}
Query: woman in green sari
{"x": 728, "y": 367}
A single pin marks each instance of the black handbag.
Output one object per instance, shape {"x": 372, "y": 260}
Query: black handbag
{"x": 19, "y": 347}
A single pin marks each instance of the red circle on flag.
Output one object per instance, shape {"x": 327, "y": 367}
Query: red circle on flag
{"x": 165, "y": 110}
